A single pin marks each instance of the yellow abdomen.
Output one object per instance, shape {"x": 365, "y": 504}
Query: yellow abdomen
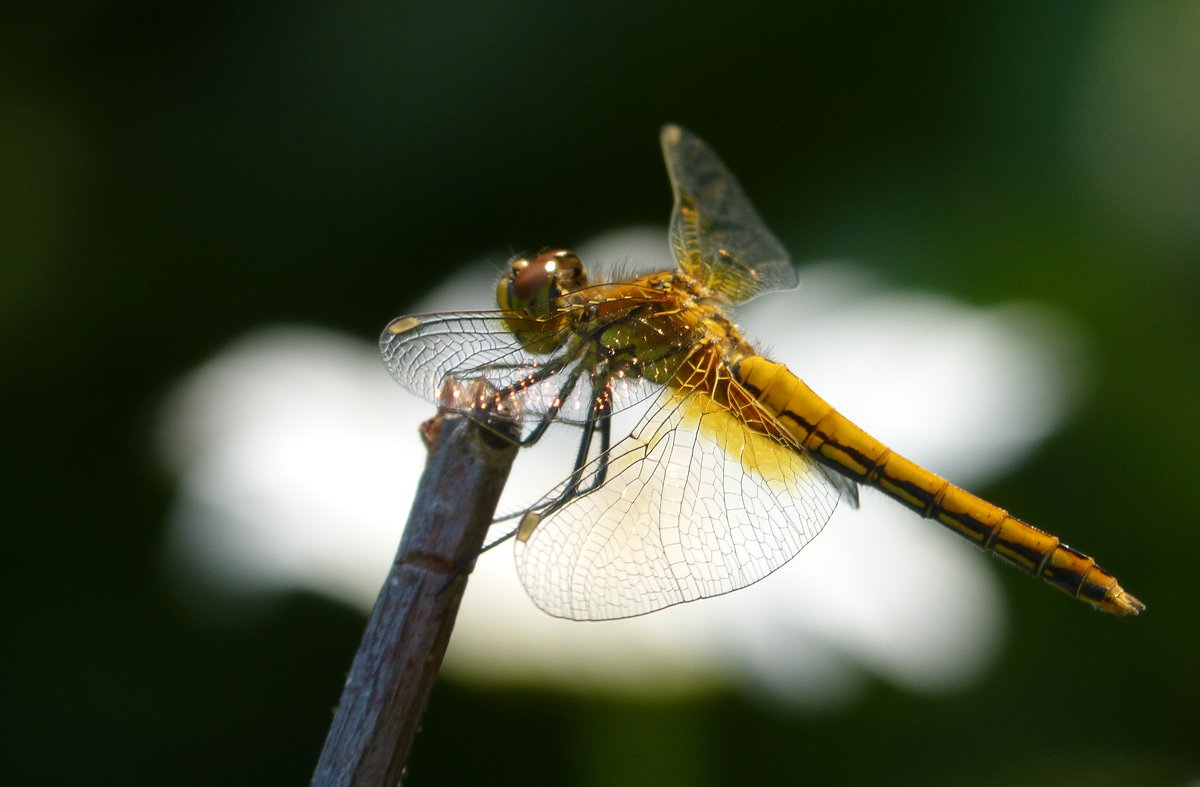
{"x": 838, "y": 443}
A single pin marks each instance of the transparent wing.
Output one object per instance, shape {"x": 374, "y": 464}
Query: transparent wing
{"x": 716, "y": 235}
{"x": 441, "y": 357}
{"x": 696, "y": 504}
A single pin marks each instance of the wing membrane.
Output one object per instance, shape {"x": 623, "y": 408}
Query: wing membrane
{"x": 438, "y": 357}
{"x": 716, "y": 235}
{"x": 696, "y": 505}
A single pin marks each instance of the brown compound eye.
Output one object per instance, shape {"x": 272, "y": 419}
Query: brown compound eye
{"x": 532, "y": 281}
{"x": 535, "y": 285}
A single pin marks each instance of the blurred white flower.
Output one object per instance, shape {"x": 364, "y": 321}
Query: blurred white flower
{"x": 298, "y": 458}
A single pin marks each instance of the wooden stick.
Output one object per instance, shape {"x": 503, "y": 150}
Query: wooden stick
{"x": 405, "y": 639}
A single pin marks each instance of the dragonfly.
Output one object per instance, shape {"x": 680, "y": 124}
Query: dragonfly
{"x": 736, "y": 465}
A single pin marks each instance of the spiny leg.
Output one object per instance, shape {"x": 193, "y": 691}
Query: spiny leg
{"x": 551, "y": 413}
{"x": 598, "y": 420}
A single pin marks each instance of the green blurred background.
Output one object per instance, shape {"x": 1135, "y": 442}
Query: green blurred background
{"x": 175, "y": 175}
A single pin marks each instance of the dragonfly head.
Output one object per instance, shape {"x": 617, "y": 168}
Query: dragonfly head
{"x": 533, "y": 290}
{"x": 535, "y": 285}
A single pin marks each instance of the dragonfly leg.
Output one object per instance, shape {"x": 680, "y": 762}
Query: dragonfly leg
{"x": 536, "y": 433}
{"x": 601, "y": 474}
{"x": 498, "y": 541}
{"x": 598, "y": 421}
{"x": 551, "y": 413}
{"x": 466, "y": 561}
{"x": 585, "y": 446}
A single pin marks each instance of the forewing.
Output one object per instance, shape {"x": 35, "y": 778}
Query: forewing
{"x": 442, "y": 357}
{"x": 696, "y": 505}
{"x": 716, "y": 235}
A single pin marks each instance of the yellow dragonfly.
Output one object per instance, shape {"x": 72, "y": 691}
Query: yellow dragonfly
{"x": 736, "y": 465}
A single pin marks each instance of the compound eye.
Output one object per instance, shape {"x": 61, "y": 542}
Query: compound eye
{"x": 528, "y": 287}
{"x": 536, "y": 285}
{"x": 533, "y": 282}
